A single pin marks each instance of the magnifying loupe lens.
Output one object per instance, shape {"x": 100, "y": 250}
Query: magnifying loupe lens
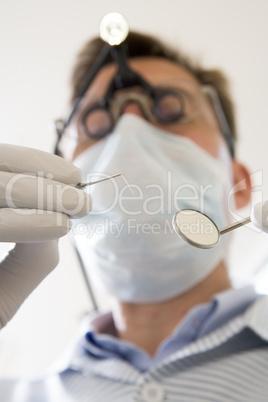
{"x": 97, "y": 123}
{"x": 169, "y": 108}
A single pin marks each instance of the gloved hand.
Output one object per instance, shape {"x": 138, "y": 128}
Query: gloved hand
{"x": 37, "y": 200}
{"x": 259, "y": 215}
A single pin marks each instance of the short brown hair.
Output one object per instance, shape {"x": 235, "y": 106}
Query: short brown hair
{"x": 140, "y": 45}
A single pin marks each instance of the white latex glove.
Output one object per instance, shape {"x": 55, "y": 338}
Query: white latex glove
{"x": 37, "y": 200}
{"x": 259, "y": 216}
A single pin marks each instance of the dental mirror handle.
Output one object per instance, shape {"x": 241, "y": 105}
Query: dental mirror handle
{"x": 235, "y": 226}
{"x": 258, "y": 216}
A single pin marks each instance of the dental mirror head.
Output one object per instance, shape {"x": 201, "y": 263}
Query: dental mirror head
{"x": 200, "y": 231}
{"x": 113, "y": 29}
{"x": 196, "y": 228}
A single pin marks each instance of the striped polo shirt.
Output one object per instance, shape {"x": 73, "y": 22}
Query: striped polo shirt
{"x": 225, "y": 360}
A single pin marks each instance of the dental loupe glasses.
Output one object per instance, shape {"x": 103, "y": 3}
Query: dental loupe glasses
{"x": 114, "y": 32}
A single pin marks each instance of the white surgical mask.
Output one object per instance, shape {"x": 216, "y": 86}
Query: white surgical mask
{"x": 127, "y": 242}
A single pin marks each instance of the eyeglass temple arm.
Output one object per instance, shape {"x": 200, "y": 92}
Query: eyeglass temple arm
{"x": 224, "y": 126}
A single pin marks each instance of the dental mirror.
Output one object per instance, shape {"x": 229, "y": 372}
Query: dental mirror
{"x": 200, "y": 231}
{"x": 196, "y": 228}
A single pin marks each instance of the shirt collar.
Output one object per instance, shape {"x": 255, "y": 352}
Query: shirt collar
{"x": 98, "y": 334}
{"x": 227, "y": 305}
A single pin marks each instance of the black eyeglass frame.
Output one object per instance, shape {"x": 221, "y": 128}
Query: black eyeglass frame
{"x": 156, "y": 94}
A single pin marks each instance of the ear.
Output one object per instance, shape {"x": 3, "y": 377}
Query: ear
{"x": 242, "y": 182}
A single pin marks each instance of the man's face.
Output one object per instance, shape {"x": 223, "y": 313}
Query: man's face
{"x": 165, "y": 180}
{"x": 203, "y": 129}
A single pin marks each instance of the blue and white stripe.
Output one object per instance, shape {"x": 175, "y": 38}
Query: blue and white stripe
{"x": 229, "y": 364}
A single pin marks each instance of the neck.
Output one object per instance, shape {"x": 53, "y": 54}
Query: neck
{"x": 148, "y": 325}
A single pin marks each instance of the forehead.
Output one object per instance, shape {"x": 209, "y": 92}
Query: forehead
{"x": 153, "y": 69}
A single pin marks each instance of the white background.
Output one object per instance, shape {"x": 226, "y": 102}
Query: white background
{"x": 38, "y": 42}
